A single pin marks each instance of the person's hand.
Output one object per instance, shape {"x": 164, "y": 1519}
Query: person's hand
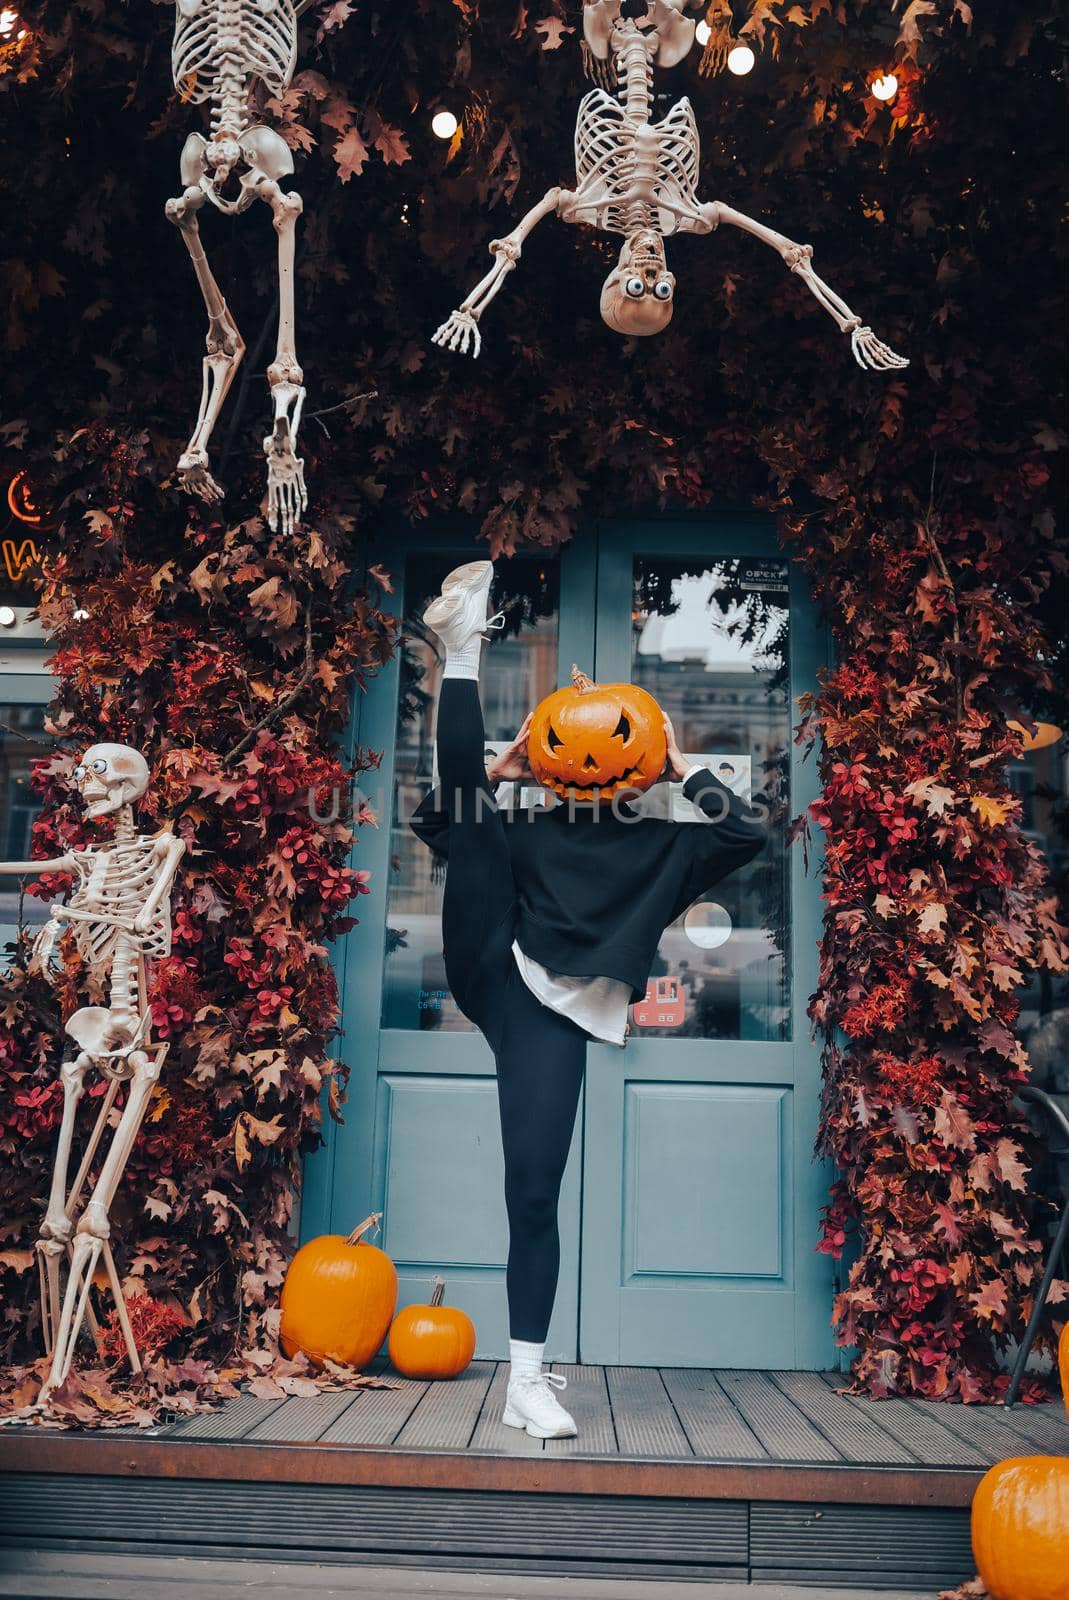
{"x": 512, "y": 762}
{"x": 675, "y": 762}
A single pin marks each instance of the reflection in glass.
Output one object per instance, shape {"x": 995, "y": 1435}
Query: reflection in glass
{"x": 519, "y": 669}
{"x": 20, "y": 726}
{"x": 709, "y": 642}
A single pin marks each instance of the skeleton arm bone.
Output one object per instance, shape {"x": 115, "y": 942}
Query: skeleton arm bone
{"x": 868, "y": 350}
{"x": 19, "y": 868}
{"x": 460, "y": 331}
{"x": 173, "y": 851}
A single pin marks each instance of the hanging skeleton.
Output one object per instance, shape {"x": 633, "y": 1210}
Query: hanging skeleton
{"x": 221, "y": 47}
{"x": 639, "y": 179}
{"x": 120, "y": 915}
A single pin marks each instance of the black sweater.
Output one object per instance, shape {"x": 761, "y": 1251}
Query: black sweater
{"x": 595, "y": 890}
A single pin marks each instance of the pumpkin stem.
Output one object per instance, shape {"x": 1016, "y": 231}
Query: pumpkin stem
{"x": 368, "y": 1222}
{"x": 438, "y": 1291}
{"x": 581, "y": 681}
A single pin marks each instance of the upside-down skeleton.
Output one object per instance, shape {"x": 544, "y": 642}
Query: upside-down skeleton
{"x": 639, "y": 178}
{"x": 221, "y": 48}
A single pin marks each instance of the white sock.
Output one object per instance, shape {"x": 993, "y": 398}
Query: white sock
{"x": 525, "y": 1357}
{"x": 464, "y": 663}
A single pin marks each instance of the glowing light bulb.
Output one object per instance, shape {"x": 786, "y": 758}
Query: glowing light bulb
{"x": 8, "y": 22}
{"x": 444, "y": 124}
{"x": 703, "y": 33}
{"x": 80, "y": 614}
{"x": 7, "y": 617}
{"x": 741, "y": 60}
{"x": 884, "y": 87}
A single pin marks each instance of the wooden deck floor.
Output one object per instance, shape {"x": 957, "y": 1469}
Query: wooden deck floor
{"x": 676, "y": 1473}
{"x": 638, "y": 1413}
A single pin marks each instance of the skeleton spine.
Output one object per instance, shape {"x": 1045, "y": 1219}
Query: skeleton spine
{"x": 636, "y": 72}
{"x": 124, "y": 956}
{"x": 230, "y": 115}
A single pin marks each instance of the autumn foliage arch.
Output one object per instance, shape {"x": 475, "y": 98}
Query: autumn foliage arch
{"x": 921, "y": 505}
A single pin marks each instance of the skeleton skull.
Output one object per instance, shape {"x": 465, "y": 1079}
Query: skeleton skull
{"x": 638, "y": 295}
{"x": 110, "y": 776}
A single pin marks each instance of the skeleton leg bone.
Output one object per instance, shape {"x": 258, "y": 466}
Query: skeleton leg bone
{"x": 460, "y": 330}
{"x": 93, "y": 1233}
{"x": 225, "y": 348}
{"x": 286, "y": 493}
{"x": 869, "y": 351}
{"x": 56, "y": 1226}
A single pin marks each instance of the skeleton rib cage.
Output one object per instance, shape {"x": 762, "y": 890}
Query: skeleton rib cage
{"x": 221, "y": 44}
{"x": 626, "y": 170}
{"x": 115, "y": 881}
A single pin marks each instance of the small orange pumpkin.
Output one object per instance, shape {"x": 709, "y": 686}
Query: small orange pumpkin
{"x": 591, "y": 741}
{"x": 1020, "y": 1528}
{"x": 432, "y": 1341}
{"x": 1063, "y": 1365}
{"x": 339, "y": 1298}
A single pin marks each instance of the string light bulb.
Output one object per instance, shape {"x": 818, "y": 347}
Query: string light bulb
{"x": 444, "y": 124}
{"x": 9, "y": 19}
{"x": 885, "y": 87}
{"x": 7, "y": 617}
{"x": 741, "y": 60}
{"x": 703, "y": 33}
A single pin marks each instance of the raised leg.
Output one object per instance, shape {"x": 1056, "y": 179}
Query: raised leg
{"x": 460, "y": 330}
{"x": 56, "y": 1226}
{"x": 225, "y": 348}
{"x": 92, "y": 1238}
{"x": 868, "y": 350}
{"x": 286, "y": 493}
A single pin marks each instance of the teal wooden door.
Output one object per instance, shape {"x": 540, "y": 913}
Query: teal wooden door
{"x": 421, "y": 1139}
{"x": 700, "y": 1194}
{"x": 690, "y": 1200}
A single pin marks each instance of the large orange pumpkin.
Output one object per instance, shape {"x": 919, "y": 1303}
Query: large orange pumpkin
{"x": 432, "y": 1341}
{"x": 591, "y": 741}
{"x": 339, "y": 1298}
{"x": 1020, "y": 1528}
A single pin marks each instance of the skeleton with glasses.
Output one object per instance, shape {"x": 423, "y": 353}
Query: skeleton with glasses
{"x": 639, "y": 179}
{"x": 119, "y": 913}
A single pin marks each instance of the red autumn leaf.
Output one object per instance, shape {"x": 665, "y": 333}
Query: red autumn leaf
{"x": 990, "y": 1301}
{"x": 953, "y": 1123}
{"x": 351, "y": 154}
{"x": 1010, "y": 1166}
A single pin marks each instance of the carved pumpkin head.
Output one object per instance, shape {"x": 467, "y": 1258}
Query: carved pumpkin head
{"x": 592, "y": 741}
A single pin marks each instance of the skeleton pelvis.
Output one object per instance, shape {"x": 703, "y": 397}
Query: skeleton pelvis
{"x": 100, "y": 1032}
{"x": 265, "y": 152}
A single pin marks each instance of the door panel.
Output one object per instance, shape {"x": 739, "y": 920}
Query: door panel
{"x": 694, "y": 1155}
{"x": 698, "y": 1181}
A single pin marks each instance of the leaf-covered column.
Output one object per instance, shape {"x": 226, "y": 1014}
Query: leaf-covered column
{"x": 228, "y": 655}
{"x": 938, "y": 907}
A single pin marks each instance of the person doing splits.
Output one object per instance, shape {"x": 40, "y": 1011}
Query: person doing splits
{"x": 550, "y": 925}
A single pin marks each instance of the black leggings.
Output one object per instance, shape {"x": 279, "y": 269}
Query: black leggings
{"x": 540, "y": 1055}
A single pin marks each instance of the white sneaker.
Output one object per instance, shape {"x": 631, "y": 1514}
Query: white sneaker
{"x": 531, "y": 1404}
{"x": 459, "y": 612}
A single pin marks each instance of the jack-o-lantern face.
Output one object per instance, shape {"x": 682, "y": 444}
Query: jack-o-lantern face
{"x": 593, "y": 741}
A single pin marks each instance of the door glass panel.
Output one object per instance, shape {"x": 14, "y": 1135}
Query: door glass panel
{"x": 20, "y": 726}
{"x": 519, "y": 667}
{"x": 710, "y": 642}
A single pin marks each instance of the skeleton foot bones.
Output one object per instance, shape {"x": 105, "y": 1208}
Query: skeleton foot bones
{"x": 119, "y": 912}
{"x": 221, "y": 48}
{"x": 639, "y": 179}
